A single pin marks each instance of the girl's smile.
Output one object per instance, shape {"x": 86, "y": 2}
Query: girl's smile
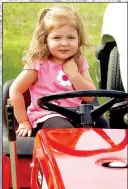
{"x": 62, "y": 43}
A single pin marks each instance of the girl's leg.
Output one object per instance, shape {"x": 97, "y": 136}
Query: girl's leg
{"x": 56, "y": 122}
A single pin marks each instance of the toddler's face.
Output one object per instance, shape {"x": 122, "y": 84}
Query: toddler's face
{"x": 62, "y": 43}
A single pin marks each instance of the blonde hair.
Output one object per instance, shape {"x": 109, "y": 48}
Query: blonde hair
{"x": 50, "y": 18}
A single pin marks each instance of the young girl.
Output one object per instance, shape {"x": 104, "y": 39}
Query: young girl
{"x": 53, "y": 64}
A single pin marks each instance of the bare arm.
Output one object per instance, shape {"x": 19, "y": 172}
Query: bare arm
{"x": 83, "y": 82}
{"x": 80, "y": 81}
{"x": 18, "y": 87}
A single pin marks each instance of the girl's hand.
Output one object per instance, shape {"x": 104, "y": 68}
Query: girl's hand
{"x": 70, "y": 67}
{"x": 24, "y": 129}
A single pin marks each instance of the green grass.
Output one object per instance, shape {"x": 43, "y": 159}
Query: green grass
{"x": 19, "y": 20}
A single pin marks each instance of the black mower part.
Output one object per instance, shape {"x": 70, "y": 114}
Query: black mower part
{"x": 117, "y": 114}
{"x": 102, "y": 54}
{"x": 114, "y": 81}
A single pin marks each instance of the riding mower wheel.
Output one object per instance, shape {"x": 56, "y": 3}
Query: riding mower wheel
{"x": 114, "y": 81}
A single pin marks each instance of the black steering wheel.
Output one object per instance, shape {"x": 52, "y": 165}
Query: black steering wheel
{"x": 85, "y": 114}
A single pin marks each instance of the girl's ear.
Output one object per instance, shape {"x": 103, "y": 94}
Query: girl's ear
{"x": 42, "y": 14}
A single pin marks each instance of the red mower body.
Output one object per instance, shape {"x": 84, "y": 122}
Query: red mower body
{"x": 24, "y": 172}
{"x": 77, "y": 158}
{"x": 80, "y": 158}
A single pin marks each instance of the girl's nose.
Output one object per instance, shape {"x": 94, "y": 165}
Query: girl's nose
{"x": 64, "y": 42}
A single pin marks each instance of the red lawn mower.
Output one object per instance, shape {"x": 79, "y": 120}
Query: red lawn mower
{"x": 88, "y": 156}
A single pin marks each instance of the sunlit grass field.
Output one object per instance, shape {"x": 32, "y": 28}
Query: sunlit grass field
{"x": 19, "y": 21}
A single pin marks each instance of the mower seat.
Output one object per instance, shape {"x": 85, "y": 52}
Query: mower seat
{"x": 24, "y": 144}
